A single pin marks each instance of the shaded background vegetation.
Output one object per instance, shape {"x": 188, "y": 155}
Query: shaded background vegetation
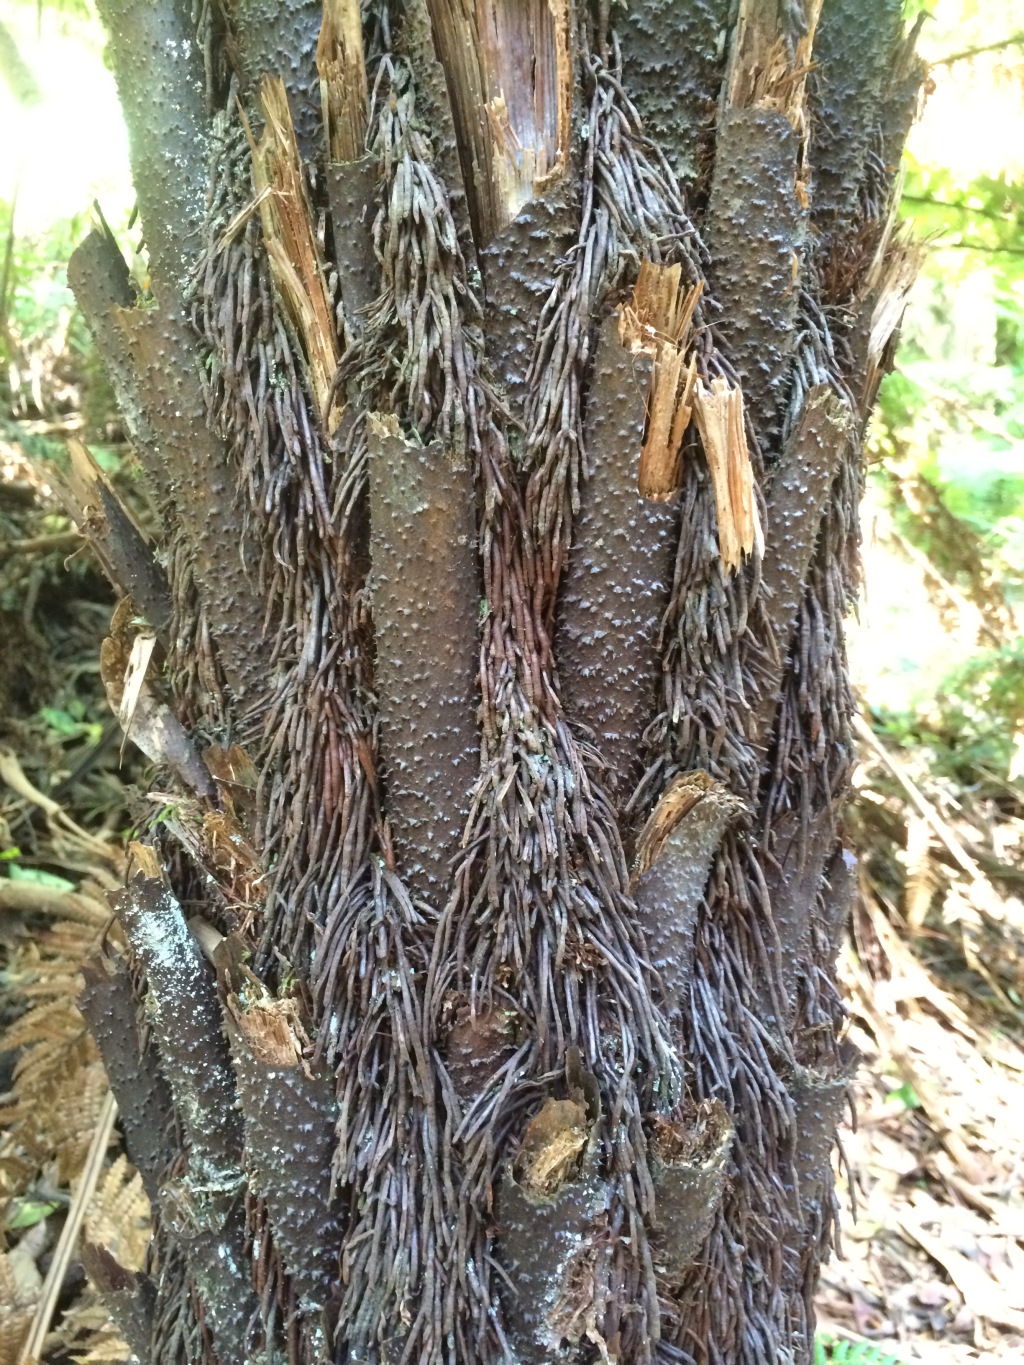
{"x": 935, "y": 961}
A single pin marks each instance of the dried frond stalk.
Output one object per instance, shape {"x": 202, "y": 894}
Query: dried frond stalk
{"x": 718, "y": 412}
{"x": 658, "y": 321}
{"x": 19, "y": 1291}
{"x": 343, "y": 89}
{"x": 291, "y": 244}
{"x": 769, "y": 70}
{"x": 115, "y": 536}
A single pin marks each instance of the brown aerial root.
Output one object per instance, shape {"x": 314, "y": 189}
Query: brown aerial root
{"x": 344, "y": 95}
{"x": 291, "y": 244}
{"x": 718, "y": 412}
{"x": 658, "y": 320}
{"x": 770, "y": 66}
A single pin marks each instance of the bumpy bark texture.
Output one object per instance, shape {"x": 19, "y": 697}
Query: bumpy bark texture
{"x": 521, "y": 855}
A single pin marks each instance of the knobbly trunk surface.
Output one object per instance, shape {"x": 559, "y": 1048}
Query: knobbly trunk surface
{"x": 502, "y": 380}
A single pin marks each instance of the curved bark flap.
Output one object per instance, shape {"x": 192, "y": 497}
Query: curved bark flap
{"x": 115, "y": 537}
{"x": 689, "y": 1164}
{"x": 818, "y": 1102}
{"x": 801, "y": 845}
{"x": 616, "y": 583}
{"x": 674, "y": 855}
{"x": 546, "y": 1205}
{"x": 186, "y": 1019}
{"x": 144, "y": 1106}
{"x": 99, "y": 279}
{"x": 203, "y": 1208}
{"x": 817, "y": 1106}
{"x": 171, "y": 417}
{"x": 129, "y": 1297}
{"x": 425, "y": 608}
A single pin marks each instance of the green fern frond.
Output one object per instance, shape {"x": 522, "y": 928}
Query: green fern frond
{"x": 831, "y": 1351}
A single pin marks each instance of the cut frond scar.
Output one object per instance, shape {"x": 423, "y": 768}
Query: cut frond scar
{"x": 291, "y": 244}
{"x": 658, "y": 320}
{"x": 767, "y": 70}
{"x": 718, "y": 412}
{"x": 343, "y": 90}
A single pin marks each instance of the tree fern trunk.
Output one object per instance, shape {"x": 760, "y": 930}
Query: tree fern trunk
{"x": 502, "y": 380}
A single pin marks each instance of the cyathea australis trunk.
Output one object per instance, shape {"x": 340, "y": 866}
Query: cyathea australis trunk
{"x": 501, "y": 377}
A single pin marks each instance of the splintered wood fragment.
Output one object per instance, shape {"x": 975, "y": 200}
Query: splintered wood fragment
{"x": 688, "y": 1163}
{"x": 425, "y": 598}
{"x": 291, "y": 245}
{"x": 617, "y": 578}
{"x": 551, "y": 1147}
{"x": 768, "y": 65}
{"x": 510, "y": 80}
{"x": 673, "y": 860}
{"x": 658, "y": 321}
{"x": 718, "y": 412}
{"x": 343, "y": 89}
{"x": 880, "y": 306}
